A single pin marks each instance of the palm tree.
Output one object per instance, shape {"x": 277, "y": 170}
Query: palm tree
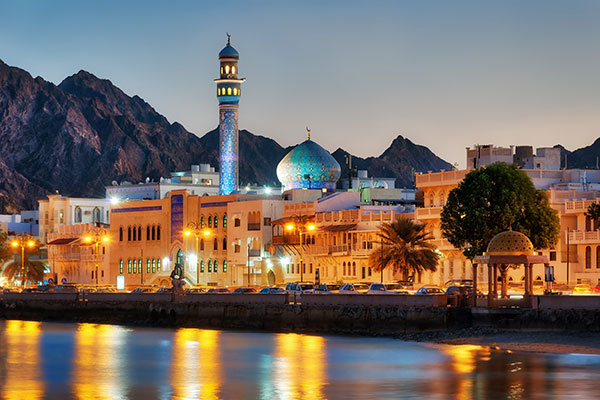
{"x": 34, "y": 270}
{"x": 593, "y": 213}
{"x": 406, "y": 248}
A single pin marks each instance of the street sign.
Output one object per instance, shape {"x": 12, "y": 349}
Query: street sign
{"x": 50, "y": 281}
{"x": 64, "y": 280}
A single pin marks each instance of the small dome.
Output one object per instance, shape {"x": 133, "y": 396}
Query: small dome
{"x": 510, "y": 243}
{"x": 229, "y": 52}
{"x": 308, "y": 166}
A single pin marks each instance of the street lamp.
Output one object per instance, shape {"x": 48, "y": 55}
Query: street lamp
{"x": 23, "y": 240}
{"x": 195, "y": 228}
{"x": 302, "y": 225}
{"x": 96, "y": 236}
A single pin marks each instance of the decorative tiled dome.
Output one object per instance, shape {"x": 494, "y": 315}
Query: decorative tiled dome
{"x": 308, "y": 166}
{"x": 510, "y": 243}
{"x": 229, "y": 52}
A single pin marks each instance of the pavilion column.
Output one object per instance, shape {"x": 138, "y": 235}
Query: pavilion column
{"x": 530, "y": 268}
{"x": 526, "y": 283}
{"x": 490, "y": 286}
{"x": 474, "y": 285}
{"x": 495, "y": 267}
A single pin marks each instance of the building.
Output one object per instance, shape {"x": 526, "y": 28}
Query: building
{"x": 25, "y": 222}
{"x": 60, "y": 210}
{"x": 569, "y": 191}
{"x": 202, "y": 180}
{"x": 546, "y": 158}
{"x": 229, "y": 90}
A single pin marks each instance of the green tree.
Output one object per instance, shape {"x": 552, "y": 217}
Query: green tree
{"x": 5, "y": 250}
{"x": 406, "y": 248}
{"x": 34, "y": 270}
{"x": 593, "y": 212}
{"x": 494, "y": 199}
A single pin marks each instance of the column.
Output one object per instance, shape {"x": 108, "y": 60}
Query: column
{"x": 490, "y": 286}
{"x": 474, "y": 302}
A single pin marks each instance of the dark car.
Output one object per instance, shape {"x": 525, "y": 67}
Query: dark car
{"x": 164, "y": 290}
{"x": 460, "y": 290}
{"x": 244, "y": 290}
{"x": 327, "y": 288}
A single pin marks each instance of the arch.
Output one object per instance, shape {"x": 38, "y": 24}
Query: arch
{"x": 153, "y": 232}
{"x": 78, "y": 215}
{"x": 233, "y": 69}
{"x": 588, "y": 257}
{"x": 209, "y": 221}
{"x": 229, "y": 91}
{"x": 158, "y": 232}
{"x": 216, "y": 221}
{"x": 209, "y": 265}
{"x": 215, "y": 266}
{"x": 224, "y": 265}
{"x": 215, "y": 244}
{"x": 344, "y": 265}
{"x": 129, "y": 234}
{"x": 158, "y": 262}
{"x": 135, "y": 266}
{"x": 225, "y": 243}
{"x": 271, "y": 278}
{"x": 353, "y": 268}
{"x": 179, "y": 257}
{"x": 129, "y": 266}
{"x": 227, "y": 69}
{"x": 97, "y": 215}
{"x": 153, "y": 265}
{"x": 202, "y": 221}
{"x": 201, "y": 265}
{"x": 139, "y": 233}
{"x": 148, "y": 232}
{"x": 120, "y": 234}
{"x": 224, "y": 220}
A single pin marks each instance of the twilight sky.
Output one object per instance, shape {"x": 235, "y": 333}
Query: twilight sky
{"x": 445, "y": 74}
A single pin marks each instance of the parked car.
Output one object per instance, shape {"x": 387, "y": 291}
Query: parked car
{"x": 142, "y": 290}
{"x": 106, "y": 290}
{"x": 408, "y": 285}
{"x": 29, "y": 290}
{"x": 66, "y": 288}
{"x": 299, "y": 288}
{"x": 348, "y": 288}
{"x": 327, "y": 288}
{"x": 11, "y": 290}
{"x": 461, "y": 290}
{"x": 194, "y": 290}
{"x": 164, "y": 290}
{"x": 459, "y": 282}
{"x": 87, "y": 290}
{"x": 244, "y": 290}
{"x": 430, "y": 290}
{"x": 218, "y": 291}
{"x": 596, "y": 289}
{"x": 272, "y": 290}
{"x": 582, "y": 288}
{"x": 380, "y": 288}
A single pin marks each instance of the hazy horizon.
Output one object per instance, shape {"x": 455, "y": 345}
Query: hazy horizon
{"x": 444, "y": 75}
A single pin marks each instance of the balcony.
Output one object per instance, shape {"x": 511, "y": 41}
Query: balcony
{"x": 254, "y": 226}
{"x": 361, "y": 252}
{"x": 341, "y": 249}
{"x": 578, "y": 206}
{"x": 317, "y": 250}
{"x": 286, "y": 239}
{"x": 584, "y": 237}
{"x": 429, "y": 213}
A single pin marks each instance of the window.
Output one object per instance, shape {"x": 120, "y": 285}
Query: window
{"x": 61, "y": 217}
{"x": 134, "y": 236}
{"x": 77, "y": 215}
{"x": 219, "y": 89}
{"x": 201, "y": 265}
{"x": 202, "y": 222}
{"x": 102, "y": 274}
{"x": 236, "y": 248}
{"x": 179, "y": 257}
{"x": 354, "y": 269}
{"x": 310, "y": 271}
{"x": 224, "y": 265}
{"x": 202, "y": 244}
{"x": 158, "y": 265}
{"x": 267, "y": 221}
{"x": 303, "y": 268}
{"x": 128, "y": 266}
{"x": 148, "y": 265}
{"x": 148, "y": 232}
{"x": 209, "y": 266}
{"x": 225, "y": 221}
{"x": 210, "y": 222}
{"x": 139, "y": 233}
{"x": 135, "y": 266}
{"x": 215, "y": 266}
{"x": 288, "y": 268}
{"x": 229, "y": 91}
{"x": 344, "y": 266}
{"x": 292, "y": 268}
{"x": 552, "y": 256}
{"x": 120, "y": 266}
{"x": 153, "y": 232}
{"x": 221, "y": 70}
{"x": 233, "y": 69}
{"x": 140, "y": 265}
{"x": 128, "y": 233}
{"x": 158, "y": 232}
{"x": 597, "y": 256}
{"x": 92, "y": 274}
{"x": 370, "y": 271}
{"x": 216, "y": 222}
{"x": 224, "y": 243}
{"x": 237, "y": 222}
{"x": 153, "y": 265}
{"x": 227, "y": 69}
{"x": 364, "y": 273}
{"x": 215, "y": 244}
{"x": 588, "y": 257}
{"x": 120, "y": 234}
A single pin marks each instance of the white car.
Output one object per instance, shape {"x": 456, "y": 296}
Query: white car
{"x": 380, "y": 288}
{"x": 430, "y": 290}
{"x": 299, "y": 288}
{"x": 272, "y": 290}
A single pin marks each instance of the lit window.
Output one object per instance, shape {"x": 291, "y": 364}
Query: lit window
{"x": 235, "y": 91}
{"x": 227, "y": 69}
{"x": 215, "y": 266}
{"x": 229, "y": 91}
{"x": 153, "y": 265}
{"x": 209, "y": 266}
{"x": 128, "y": 266}
{"x": 218, "y": 91}
{"x": 221, "y": 70}
{"x": 224, "y": 265}
{"x": 158, "y": 264}
{"x": 120, "y": 266}
{"x": 233, "y": 69}
{"x": 135, "y": 266}
{"x": 202, "y": 266}
{"x": 148, "y": 265}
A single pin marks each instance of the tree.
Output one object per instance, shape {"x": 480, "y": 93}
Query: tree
{"x": 406, "y": 248}
{"x": 34, "y": 270}
{"x": 593, "y": 212}
{"x": 494, "y": 199}
{"x": 5, "y": 250}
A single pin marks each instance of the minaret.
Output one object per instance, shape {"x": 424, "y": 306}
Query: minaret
{"x": 229, "y": 92}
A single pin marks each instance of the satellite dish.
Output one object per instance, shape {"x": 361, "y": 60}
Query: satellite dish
{"x": 147, "y": 179}
{"x": 114, "y": 183}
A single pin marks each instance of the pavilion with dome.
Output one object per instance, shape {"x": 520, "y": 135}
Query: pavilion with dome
{"x": 309, "y": 166}
{"x": 508, "y": 248}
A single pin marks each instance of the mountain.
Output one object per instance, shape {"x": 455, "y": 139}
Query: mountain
{"x": 585, "y": 157}
{"x": 79, "y": 136}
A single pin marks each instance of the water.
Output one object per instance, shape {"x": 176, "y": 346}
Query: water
{"x": 87, "y": 361}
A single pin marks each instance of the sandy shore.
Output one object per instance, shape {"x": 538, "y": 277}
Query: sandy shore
{"x": 539, "y": 342}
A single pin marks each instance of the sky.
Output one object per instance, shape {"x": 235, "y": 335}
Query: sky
{"x": 444, "y": 74}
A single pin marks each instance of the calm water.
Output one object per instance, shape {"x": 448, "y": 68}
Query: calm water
{"x": 86, "y": 361}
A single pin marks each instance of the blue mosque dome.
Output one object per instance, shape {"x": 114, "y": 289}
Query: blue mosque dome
{"x": 228, "y": 51}
{"x": 308, "y": 166}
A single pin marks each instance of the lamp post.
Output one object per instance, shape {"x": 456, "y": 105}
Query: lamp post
{"x": 95, "y": 236}
{"x": 23, "y": 240}
{"x": 302, "y": 225}
{"x": 195, "y": 228}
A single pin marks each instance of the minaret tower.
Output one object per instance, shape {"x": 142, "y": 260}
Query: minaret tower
{"x": 229, "y": 92}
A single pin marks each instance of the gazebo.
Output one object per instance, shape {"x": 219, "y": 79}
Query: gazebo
{"x": 508, "y": 248}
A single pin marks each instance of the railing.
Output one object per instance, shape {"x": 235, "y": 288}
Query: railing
{"x": 440, "y": 178}
{"x": 578, "y": 206}
{"x": 584, "y": 237}
{"x": 254, "y": 226}
{"x": 361, "y": 252}
{"x": 429, "y": 212}
{"x": 317, "y": 250}
{"x": 287, "y": 239}
{"x": 341, "y": 248}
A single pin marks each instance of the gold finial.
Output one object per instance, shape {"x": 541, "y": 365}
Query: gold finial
{"x": 228, "y": 38}
{"x": 308, "y": 132}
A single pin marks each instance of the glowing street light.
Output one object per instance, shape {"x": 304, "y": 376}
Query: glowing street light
{"x": 300, "y": 223}
{"x": 196, "y": 228}
{"x": 23, "y": 240}
{"x": 95, "y": 236}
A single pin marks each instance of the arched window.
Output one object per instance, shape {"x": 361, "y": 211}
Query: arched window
{"x": 179, "y": 258}
{"x": 158, "y": 265}
{"x": 224, "y": 265}
{"x": 135, "y": 266}
{"x": 209, "y": 222}
{"x": 233, "y": 69}
{"x": 120, "y": 266}
{"x": 77, "y": 215}
{"x": 128, "y": 266}
{"x": 354, "y": 269}
{"x": 140, "y": 266}
{"x": 224, "y": 243}
{"x": 153, "y": 232}
{"x": 215, "y": 269}
{"x": 202, "y": 244}
{"x": 588, "y": 257}
{"x": 221, "y": 70}
{"x": 216, "y": 221}
{"x": 148, "y": 232}
{"x": 227, "y": 69}
{"x": 219, "y": 89}
{"x": 224, "y": 220}
{"x": 235, "y": 91}
{"x": 134, "y": 234}
{"x": 153, "y": 265}
{"x": 97, "y": 215}
{"x": 61, "y": 217}
{"x": 597, "y": 256}
{"x": 158, "y": 232}
{"x": 344, "y": 265}
{"x": 202, "y": 222}
{"x": 209, "y": 266}
{"x": 121, "y": 234}
{"x": 229, "y": 91}
{"x": 215, "y": 244}
{"x": 588, "y": 224}
{"x": 201, "y": 265}
{"x": 129, "y": 234}
{"x": 139, "y": 233}
{"x": 148, "y": 265}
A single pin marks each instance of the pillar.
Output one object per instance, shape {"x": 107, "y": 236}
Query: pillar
{"x": 490, "y": 286}
{"x": 474, "y": 303}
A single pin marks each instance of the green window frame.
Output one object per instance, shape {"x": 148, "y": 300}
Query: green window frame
{"x": 215, "y": 266}
{"x": 225, "y": 221}
{"x": 135, "y": 266}
{"x": 224, "y": 265}
{"x": 153, "y": 265}
{"x": 128, "y": 266}
{"x": 201, "y": 265}
{"x": 120, "y": 266}
{"x": 216, "y": 221}
{"x": 209, "y": 266}
{"x": 158, "y": 265}
{"x": 140, "y": 266}
{"x": 148, "y": 265}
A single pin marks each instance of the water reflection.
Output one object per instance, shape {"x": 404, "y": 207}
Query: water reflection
{"x": 98, "y": 362}
{"x": 23, "y": 379}
{"x": 463, "y": 360}
{"x": 196, "y": 366}
{"x": 299, "y": 366}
